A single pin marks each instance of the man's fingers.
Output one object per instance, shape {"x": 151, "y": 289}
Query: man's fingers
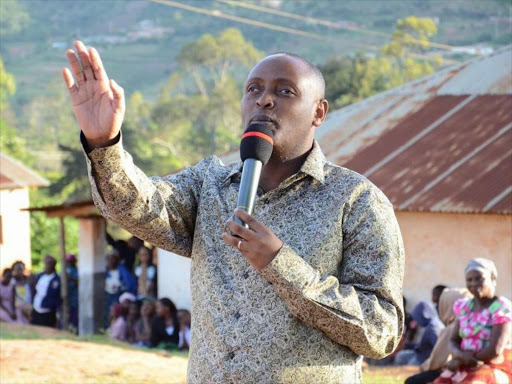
{"x": 85, "y": 60}
{"x": 70, "y": 82}
{"x": 97, "y": 66}
{"x": 230, "y": 240}
{"x": 254, "y": 224}
{"x": 118, "y": 94}
{"x": 75, "y": 67}
{"x": 117, "y": 91}
{"x": 237, "y": 229}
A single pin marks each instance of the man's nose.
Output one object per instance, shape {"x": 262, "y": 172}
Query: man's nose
{"x": 265, "y": 101}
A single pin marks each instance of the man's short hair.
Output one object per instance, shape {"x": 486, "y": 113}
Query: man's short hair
{"x": 312, "y": 67}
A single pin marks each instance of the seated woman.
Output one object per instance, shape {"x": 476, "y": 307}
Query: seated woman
{"x": 143, "y": 325}
{"x": 480, "y": 342}
{"x": 165, "y": 327}
{"x": 433, "y": 366}
{"x": 118, "y": 329}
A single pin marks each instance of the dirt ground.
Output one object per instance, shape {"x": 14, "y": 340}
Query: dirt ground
{"x": 69, "y": 362}
{"x": 37, "y": 355}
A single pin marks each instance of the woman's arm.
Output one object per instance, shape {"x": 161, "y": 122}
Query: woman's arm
{"x": 465, "y": 357}
{"x": 500, "y": 335}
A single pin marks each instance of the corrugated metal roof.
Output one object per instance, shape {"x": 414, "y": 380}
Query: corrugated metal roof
{"x": 14, "y": 174}
{"x": 441, "y": 144}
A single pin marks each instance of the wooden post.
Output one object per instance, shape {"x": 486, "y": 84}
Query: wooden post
{"x": 63, "y": 275}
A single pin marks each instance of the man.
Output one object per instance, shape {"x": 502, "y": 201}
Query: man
{"x": 127, "y": 249}
{"x": 313, "y": 284}
{"x": 47, "y": 298}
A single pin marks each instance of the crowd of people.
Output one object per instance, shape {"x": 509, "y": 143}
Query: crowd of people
{"x": 133, "y": 314}
{"x": 461, "y": 335}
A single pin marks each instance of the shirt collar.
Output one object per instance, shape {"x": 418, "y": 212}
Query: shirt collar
{"x": 313, "y": 166}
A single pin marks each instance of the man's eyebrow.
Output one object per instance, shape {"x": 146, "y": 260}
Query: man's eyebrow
{"x": 279, "y": 79}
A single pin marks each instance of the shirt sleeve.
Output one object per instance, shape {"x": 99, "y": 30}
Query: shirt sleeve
{"x": 500, "y": 311}
{"x": 362, "y": 306}
{"x": 160, "y": 210}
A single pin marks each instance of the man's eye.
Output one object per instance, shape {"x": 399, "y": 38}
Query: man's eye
{"x": 285, "y": 91}
{"x": 252, "y": 88}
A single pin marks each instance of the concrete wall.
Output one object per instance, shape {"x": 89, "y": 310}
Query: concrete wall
{"x": 439, "y": 245}
{"x": 15, "y": 228}
{"x": 174, "y": 278}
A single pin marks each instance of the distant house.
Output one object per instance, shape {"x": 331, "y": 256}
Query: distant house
{"x": 441, "y": 150}
{"x": 15, "y": 181}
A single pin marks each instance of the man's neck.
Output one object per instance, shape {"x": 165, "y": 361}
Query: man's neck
{"x": 278, "y": 170}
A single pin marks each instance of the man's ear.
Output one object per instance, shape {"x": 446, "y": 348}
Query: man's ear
{"x": 320, "y": 113}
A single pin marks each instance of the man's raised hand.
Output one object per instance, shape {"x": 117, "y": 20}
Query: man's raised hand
{"x": 98, "y": 103}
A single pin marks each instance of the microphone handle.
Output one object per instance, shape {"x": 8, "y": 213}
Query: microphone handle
{"x": 251, "y": 173}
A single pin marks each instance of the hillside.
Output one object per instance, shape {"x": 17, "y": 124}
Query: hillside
{"x": 139, "y": 40}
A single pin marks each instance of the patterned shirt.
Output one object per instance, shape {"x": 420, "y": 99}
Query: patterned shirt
{"x": 332, "y": 293}
{"x": 475, "y": 327}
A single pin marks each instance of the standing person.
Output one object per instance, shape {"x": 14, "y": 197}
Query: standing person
{"x": 72, "y": 277}
{"x": 313, "y": 283}
{"x": 22, "y": 289}
{"x": 118, "y": 280}
{"x": 480, "y": 342}
{"x": 145, "y": 273}
{"x": 165, "y": 327}
{"x": 127, "y": 249}
{"x": 47, "y": 298}
{"x": 8, "y": 311}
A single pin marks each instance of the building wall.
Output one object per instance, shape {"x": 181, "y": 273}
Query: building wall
{"x": 174, "y": 278}
{"x": 15, "y": 228}
{"x": 439, "y": 245}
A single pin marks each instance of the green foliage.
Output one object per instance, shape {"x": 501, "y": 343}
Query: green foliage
{"x": 352, "y": 79}
{"x": 7, "y": 85}
{"x": 14, "y": 17}
{"x": 13, "y": 144}
{"x": 411, "y": 35}
{"x": 44, "y": 231}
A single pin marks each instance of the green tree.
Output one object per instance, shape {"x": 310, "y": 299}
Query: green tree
{"x": 352, "y": 79}
{"x": 14, "y": 18}
{"x": 7, "y": 85}
{"x": 216, "y": 56}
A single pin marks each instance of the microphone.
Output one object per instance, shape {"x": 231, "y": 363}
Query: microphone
{"x": 255, "y": 150}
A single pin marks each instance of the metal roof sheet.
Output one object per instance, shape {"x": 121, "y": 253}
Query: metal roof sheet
{"x": 442, "y": 143}
{"x": 14, "y": 174}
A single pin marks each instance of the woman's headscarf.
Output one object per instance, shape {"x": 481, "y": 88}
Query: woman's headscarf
{"x": 483, "y": 265}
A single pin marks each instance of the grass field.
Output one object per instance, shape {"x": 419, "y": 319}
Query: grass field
{"x": 42, "y": 355}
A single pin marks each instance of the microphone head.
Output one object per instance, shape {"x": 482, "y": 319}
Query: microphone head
{"x": 257, "y": 143}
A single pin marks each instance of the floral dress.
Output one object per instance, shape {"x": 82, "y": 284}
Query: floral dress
{"x": 475, "y": 332}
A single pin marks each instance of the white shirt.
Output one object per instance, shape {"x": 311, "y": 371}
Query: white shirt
{"x": 151, "y": 271}
{"x": 41, "y": 290}
{"x": 113, "y": 282}
{"x": 184, "y": 336}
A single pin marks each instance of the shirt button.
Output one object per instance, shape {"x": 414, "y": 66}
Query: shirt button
{"x": 237, "y": 315}
{"x": 246, "y": 275}
{"x": 231, "y": 355}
